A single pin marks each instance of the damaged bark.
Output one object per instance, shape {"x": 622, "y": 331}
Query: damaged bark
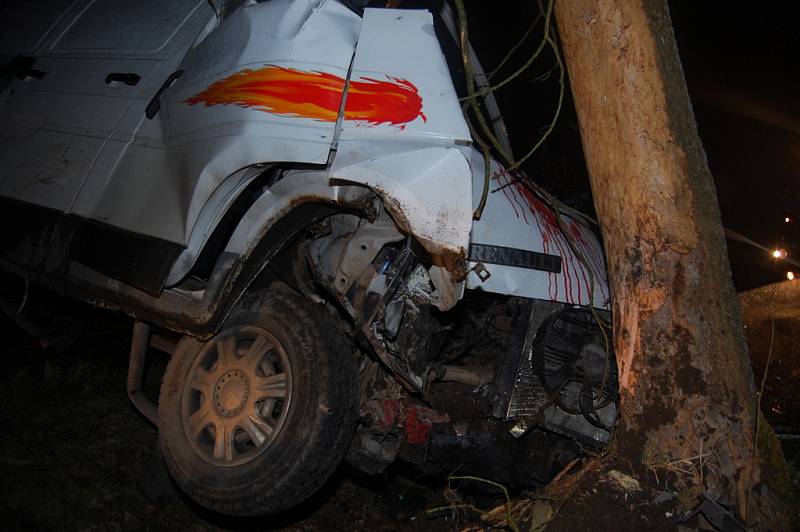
{"x": 687, "y": 391}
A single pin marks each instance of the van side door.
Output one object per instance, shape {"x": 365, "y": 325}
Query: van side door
{"x": 56, "y": 123}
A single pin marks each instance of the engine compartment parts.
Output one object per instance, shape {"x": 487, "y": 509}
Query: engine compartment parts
{"x": 575, "y": 364}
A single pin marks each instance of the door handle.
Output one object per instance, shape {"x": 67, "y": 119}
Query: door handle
{"x": 128, "y": 78}
{"x": 155, "y": 103}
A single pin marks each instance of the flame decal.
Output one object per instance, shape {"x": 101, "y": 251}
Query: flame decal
{"x": 395, "y": 102}
{"x": 316, "y": 95}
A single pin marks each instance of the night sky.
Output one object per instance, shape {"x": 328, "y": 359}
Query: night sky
{"x": 742, "y": 71}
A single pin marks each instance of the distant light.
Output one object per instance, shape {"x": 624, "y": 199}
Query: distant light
{"x": 787, "y": 219}
{"x": 778, "y": 253}
{"x": 790, "y": 276}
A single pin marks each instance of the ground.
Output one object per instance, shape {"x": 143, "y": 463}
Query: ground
{"x": 75, "y": 453}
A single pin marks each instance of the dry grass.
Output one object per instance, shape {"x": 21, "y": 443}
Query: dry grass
{"x": 689, "y": 470}
{"x": 534, "y": 510}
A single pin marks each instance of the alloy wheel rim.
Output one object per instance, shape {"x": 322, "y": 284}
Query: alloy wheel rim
{"x": 237, "y": 397}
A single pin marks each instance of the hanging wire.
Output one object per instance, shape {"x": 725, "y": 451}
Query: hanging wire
{"x": 522, "y": 39}
{"x": 469, "y": 72}
{"x": 514, "y": 75}
{"x": 472, "y": 104}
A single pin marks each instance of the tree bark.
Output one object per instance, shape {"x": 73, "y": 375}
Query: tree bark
{"x": 687, "y": 391}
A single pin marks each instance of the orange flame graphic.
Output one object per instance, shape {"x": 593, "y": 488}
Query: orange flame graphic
{"x": 316, "y": 95}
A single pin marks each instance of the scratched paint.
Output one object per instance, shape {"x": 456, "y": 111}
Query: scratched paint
{"x": 316, "y": 95}
{"x": 573, "y": 283}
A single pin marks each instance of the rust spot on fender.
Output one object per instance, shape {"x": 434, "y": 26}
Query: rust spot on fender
{"x": 451, "y": 258}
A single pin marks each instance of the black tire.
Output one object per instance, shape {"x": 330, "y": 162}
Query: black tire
{"x": 318, "y": 411}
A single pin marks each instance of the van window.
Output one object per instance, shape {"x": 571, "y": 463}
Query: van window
{"x": 25, "y": 23}
{"x": 143, "y": 26}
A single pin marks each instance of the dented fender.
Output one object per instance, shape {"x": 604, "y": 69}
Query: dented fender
{"x": 428, "y": 193}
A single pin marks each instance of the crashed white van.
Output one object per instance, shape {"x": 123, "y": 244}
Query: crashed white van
{"x": 290, "y": 190}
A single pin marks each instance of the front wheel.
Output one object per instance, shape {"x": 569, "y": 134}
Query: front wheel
{"x": 256, "y": 419}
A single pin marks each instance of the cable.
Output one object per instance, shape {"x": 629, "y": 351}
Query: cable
{"x": 514, "y": 167}
{"x": 491, "y": 74}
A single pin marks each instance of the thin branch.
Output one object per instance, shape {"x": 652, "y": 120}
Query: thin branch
{"x": 514, "y": 48}
{"x": 525, "y": 66}
{"x": 549, "y": 39}
{"x": 509, "y": 519}
{"x": 758, "y": 418}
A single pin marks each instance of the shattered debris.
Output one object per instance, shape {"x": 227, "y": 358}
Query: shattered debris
{"x": 626, "y": 482}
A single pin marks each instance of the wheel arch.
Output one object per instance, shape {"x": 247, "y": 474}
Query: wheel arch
{"x": 230, "y": 195}
{"x": 237, "y": 269}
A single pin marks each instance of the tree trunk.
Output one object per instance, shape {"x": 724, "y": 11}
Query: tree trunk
{"x": 688, "y": 407}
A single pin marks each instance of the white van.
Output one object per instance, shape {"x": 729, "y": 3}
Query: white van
{"x": 292, "y": 188}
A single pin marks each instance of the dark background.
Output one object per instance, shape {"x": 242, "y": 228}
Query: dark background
{"x": 740, "y": 63}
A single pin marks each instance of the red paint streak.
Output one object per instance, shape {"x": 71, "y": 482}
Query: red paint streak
{"x": 551, "y": 234}
{"x": 512, "y": 191}
{"x": 595, "y": 260}
{"x": 578, "y": 241}
{"x": 575, "y": 274}
{"x": 316, "y": 95}
{"x": 547, "y": 237}
{"x": 508, "y": 192}
{"x": 504, "y": 188}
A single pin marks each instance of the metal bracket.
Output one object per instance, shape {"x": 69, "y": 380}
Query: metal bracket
{"x": 481, "y": 271}
{"x": 140, "y": 341}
